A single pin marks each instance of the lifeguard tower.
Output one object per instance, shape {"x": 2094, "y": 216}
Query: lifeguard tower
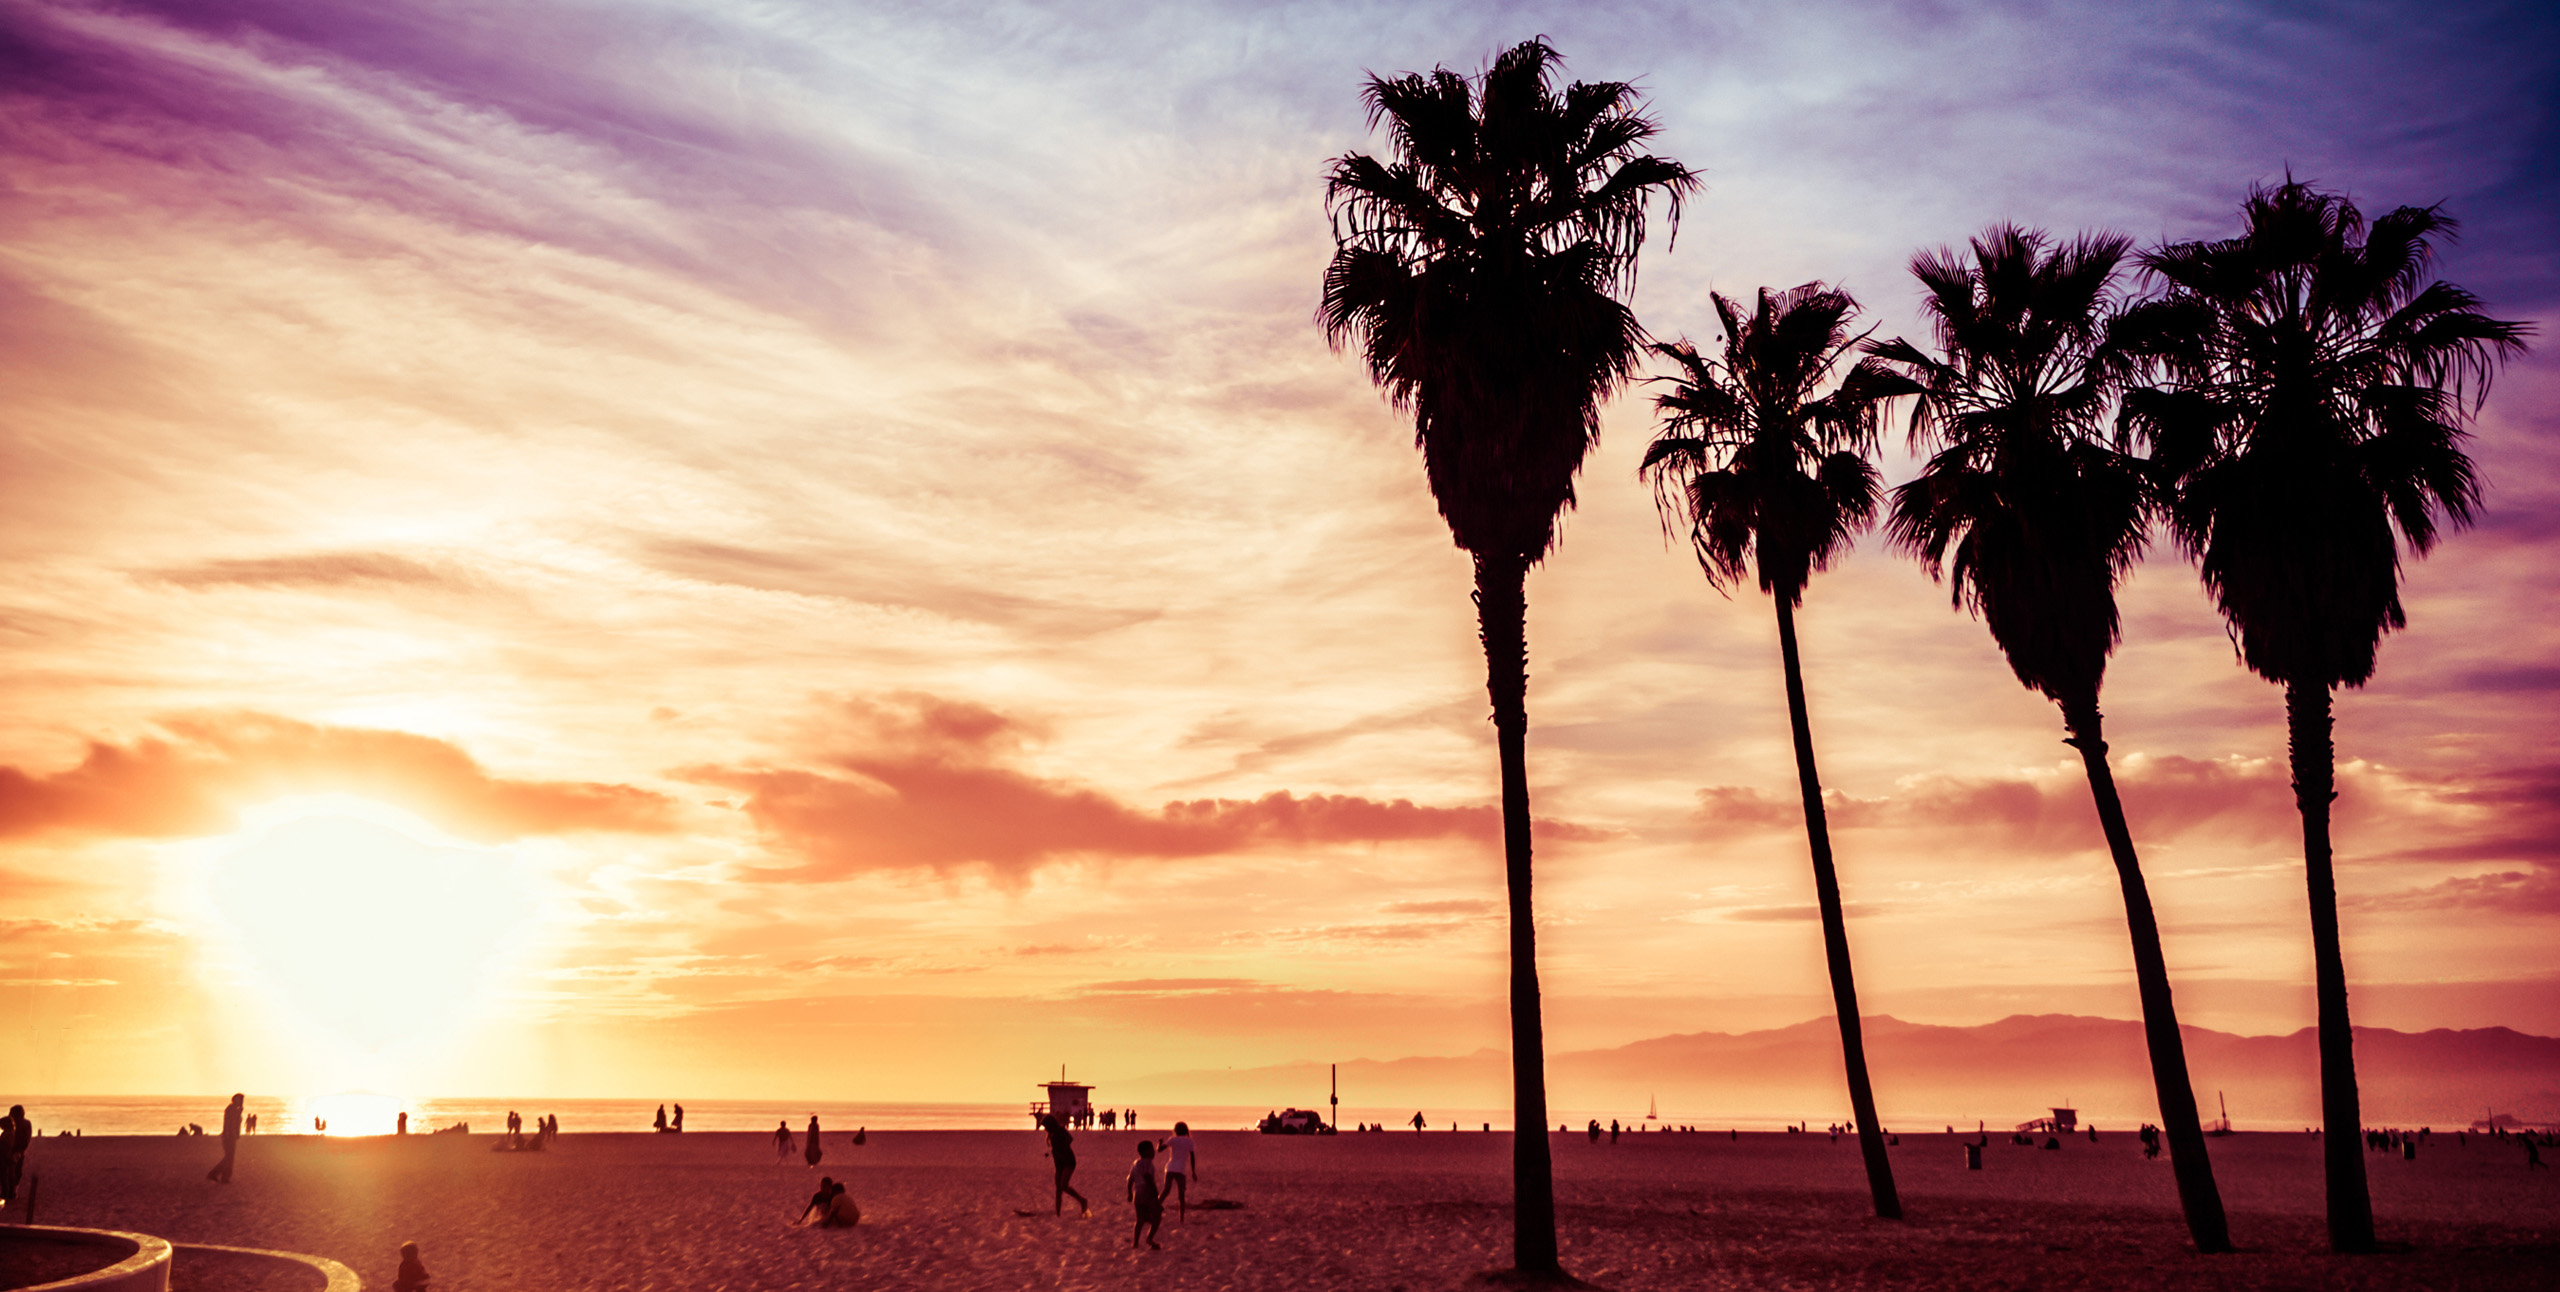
{"x": 2063, "y": 1122}
{"x": 1069, "y": 1101}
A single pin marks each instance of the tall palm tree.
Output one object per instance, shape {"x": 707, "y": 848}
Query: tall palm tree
{"x": 2321, "y": 385}
{"x": 1763, "y": 471}
{"x": 1480, "y": 268}
{"x": 2038, "y": 517}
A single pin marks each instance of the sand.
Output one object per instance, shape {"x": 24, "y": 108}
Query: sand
{"x": 712, "y": 1211}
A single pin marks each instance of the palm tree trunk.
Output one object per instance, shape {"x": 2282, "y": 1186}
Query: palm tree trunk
{"x": 2306, "y": 711}
{"x": 1835, "y": 928}
{"x": 2197, "y": 1193}
{"x": 1502, "y": 611}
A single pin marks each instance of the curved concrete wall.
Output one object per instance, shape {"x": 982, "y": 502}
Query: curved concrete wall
{"x": 335, "y": 1277}
{"x": 127, "y": 1262}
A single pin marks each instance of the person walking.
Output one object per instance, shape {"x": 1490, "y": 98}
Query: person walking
{"x": 783, "y": 1145}
{"x": 1181, "y": 1167}
{"x": 1062, "y": 1162}
{"x": 1145, "y": 1197}
{"x": 221, "y": 1172}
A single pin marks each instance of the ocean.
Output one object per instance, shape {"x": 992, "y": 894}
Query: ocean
{"x": 365, "y": 1113}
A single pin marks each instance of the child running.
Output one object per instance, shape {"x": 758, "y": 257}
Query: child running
{"x": 1181, "y": 1167}
{"x": 1143, "y": 1194}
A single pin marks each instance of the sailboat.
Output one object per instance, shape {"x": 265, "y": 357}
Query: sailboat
{"x": 2222, "y": 1127}
{"x": 1650, "y": 1105}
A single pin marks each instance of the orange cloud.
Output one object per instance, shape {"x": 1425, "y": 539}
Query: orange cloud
{"x": 194, "y": 779}
{"x": 930, "y": 788}
{"x": 2165, "y": 797}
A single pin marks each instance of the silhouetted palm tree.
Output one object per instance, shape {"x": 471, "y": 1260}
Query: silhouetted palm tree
{"x": 2320, "y": 387}
{"x": 2037, "y": 516}
{"x": 1765, "y": 472}
{"x": 1479, "y": 267}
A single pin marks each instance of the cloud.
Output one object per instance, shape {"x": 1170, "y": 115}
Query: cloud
{"x": 2166, "y": 796}
{"x": 193, "y": 779}
{"x": 315, "y": 570}
{"x": 930, "y": 785}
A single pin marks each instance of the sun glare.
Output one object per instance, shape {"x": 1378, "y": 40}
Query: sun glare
{"x": 355, "y": 1112}
{"x": 364, "y": 923}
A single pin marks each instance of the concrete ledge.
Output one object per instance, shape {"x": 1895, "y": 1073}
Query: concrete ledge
{"x": 129, "y": 1262}
{"x": 335, "y": 1277}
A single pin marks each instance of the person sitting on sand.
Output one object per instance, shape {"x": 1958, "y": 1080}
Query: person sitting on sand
{"x": 1062, "y": 1159}
{"x": 816, "y": 1209}
{"x": 1144, "y": 1195}
{"x": 831, "y": 1207}
{"x": 1181, "y": 1167}
{"x": 413, "y": 1275}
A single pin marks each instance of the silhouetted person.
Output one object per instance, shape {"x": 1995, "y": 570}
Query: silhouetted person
{"x": 403, "y": 1128}
{"x": 2533, "y": 1156}
{"x": 1145, "y": 1197}
{"x": 1129, "y": 1118}
{"x": 1613, "y": 1130}
{"x": 809, "y": 1151}
{"x": 1062, "y": 1164}
{"x": 679, "y": 1121}
{"x": 1594, "y": 1130}
{"x": 1110, "y": 1118}
{"x": 17, "y": 1131}
{"x": 250, "y": 1122}
{"x": 783, "y": 1145}
{"x": 1181, "y": 1167}
{"x": 221, "y": 1172}
{"x": 662, "y": 1119}
{"x": 1418, "y": 1123}
{"x": 413, "y": 1274}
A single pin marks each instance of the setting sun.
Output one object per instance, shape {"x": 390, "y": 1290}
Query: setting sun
{"x": 362, "y": 922}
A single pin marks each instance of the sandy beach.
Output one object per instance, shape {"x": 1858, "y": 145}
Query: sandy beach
{"x": 712, "y": 1211}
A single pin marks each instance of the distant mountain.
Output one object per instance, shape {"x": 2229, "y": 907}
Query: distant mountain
{"x": 1999, "y": 1073}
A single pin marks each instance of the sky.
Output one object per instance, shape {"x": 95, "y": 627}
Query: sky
{"x": 744, "y": 549}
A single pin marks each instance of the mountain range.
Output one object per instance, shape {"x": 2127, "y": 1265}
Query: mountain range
{"x": 1928, "y": 1076}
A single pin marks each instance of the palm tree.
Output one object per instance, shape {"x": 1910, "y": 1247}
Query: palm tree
{"x": 2038, "y": 517}
{"x": 1480, "y": 268}
{"x": 1764, "y": 472}
{"x": 2320, "y": 390}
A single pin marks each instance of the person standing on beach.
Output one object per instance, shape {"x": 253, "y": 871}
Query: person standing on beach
{"x": 1062, "y": 1163}
{"x": 1419, "y": 1123}
{"x": 662, "y": 1118}
{"x": 679, "y": 1122}
{"x": 1146, "y": 1197}
{"x": 221, "y": 1172}
{"x": 17, "y": 1131}
{"x": 783, "y": 1146}
{"x": 810, "y": 1152}
{"x": 1181, "y": 1167}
